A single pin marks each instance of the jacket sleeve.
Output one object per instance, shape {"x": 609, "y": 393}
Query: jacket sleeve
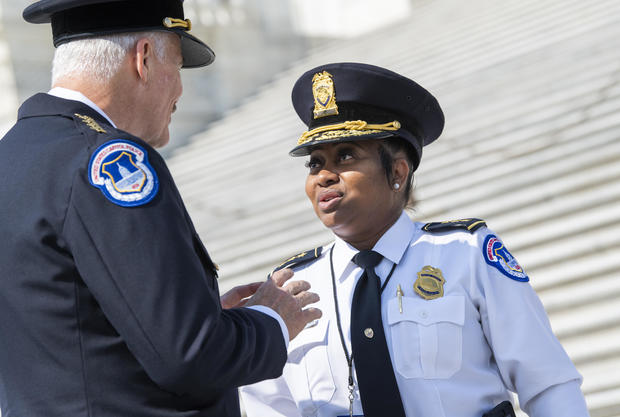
{"x": 148, "y": 271}
{"x": 530, "y": 358}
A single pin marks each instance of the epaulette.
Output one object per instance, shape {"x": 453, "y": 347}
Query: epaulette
{"x": 470, "y": 225}
{"x": 300, "y": 259}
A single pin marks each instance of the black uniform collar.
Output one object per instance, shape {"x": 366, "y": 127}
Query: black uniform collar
{"x": 43, "y": 104}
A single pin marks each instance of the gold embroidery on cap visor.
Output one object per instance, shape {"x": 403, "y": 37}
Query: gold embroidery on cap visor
{"x": 429, "y": 284}
{"x": 324, "y": 95}
{"x": 346, "y": 129}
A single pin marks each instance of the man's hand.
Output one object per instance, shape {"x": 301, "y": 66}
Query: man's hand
{"x": 288, "y": 300}
{"x": 238, "y": 296}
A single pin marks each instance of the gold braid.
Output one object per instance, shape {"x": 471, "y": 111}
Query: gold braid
{"x": 355, "y": 125}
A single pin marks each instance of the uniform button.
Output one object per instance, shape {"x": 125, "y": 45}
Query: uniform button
{"x": 369, "y": 333}
{"x": 424, "y": 314}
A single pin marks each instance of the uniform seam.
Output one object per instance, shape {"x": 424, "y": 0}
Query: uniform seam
{"x": 70, "y": 196}
{"x": 82, "y": 351}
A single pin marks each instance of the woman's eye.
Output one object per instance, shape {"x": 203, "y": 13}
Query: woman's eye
{"x": 313, "y": 163}
{"x": 343, "y": 156}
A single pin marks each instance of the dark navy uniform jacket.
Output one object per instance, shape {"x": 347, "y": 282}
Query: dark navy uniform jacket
{"x": 105, "y": 310}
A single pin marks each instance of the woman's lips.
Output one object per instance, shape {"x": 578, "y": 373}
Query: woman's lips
{"x": 329, "y": 199}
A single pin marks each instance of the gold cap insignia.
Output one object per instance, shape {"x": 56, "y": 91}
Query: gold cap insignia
{"x": 429, "y": 284}
{"x": 324, "y": 95}
{"x": 171, "y": 22}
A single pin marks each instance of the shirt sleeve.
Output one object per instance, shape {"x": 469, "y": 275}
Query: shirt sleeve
{"x": 564, "y": 400}
{"x": 530, "y": 358}
{"x": 151, "y": 276}
{"x": 269, "y": 398}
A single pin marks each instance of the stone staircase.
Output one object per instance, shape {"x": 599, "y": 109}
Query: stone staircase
{"x": 531, "y": 93}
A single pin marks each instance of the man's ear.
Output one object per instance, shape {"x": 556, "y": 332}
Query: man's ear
{"x": 144, "y": 57}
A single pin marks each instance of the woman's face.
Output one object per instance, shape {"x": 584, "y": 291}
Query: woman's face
{"x": 349, "y": 191}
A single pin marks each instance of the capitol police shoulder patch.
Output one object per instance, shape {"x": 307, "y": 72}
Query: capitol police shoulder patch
{"x": 121, "y": 170}
{"x": 497, "y": 255}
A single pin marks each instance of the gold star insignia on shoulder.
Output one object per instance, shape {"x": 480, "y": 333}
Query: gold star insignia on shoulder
{"x": 90, "y": 122}
{"x": 300, "y": 259}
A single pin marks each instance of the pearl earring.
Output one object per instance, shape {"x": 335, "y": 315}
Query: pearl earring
{"x": 396, "y": 186}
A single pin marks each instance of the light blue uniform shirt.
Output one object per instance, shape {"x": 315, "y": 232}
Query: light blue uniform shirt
{"x": 458, "y": 355}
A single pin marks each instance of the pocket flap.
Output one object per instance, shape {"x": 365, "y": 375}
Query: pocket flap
{"x": 446, "y": 309}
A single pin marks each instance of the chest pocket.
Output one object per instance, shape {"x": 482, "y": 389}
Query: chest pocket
{"x": 427, "y": 337}
{"x": 308, "y": 372}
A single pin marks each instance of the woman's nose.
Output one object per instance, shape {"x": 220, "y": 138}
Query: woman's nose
{"x": 327, "y": 177}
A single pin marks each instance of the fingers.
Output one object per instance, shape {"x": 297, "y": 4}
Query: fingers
{"x": 235, "y": 297}
{"x": 244, "y": 291}
{"x": 311, "y": 313}
{"x": 304, "y": 298}
{"x": 295, "y": 287}
{"x": 281, "y": 276}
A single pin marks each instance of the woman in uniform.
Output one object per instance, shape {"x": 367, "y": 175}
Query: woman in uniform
{"x": 425, "y": 320}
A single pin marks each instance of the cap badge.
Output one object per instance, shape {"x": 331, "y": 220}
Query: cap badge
{"x": 429, "y": 284}
{"x": 324, "y": 96}
{"x": 171, "y": 22}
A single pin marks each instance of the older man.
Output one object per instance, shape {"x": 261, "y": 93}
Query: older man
{"x": 109, "y": 303}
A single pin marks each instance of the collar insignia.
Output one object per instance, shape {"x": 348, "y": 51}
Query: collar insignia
{"x": 429, "y": 284}
{"x": 324, "y": 95}
{"x": 90, "y": 122}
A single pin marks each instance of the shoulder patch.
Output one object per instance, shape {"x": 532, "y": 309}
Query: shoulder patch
{"x": 90, "y": 122}
{"x": 300, "y": 259}
{"x": 497, "y": 255}
{"x": 121, "y": 170}
{"x": 470, "y": 225}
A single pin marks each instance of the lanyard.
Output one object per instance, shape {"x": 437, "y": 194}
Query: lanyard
{"x": 349, "y": 357}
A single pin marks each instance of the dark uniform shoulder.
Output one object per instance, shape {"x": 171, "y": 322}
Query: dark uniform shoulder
{"x": 469, "y": 225}
{"x": 300, "y": 259}
{"x": 98, "y": 131}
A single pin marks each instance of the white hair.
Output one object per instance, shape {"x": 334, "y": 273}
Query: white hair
{"x": 100, "y": 58}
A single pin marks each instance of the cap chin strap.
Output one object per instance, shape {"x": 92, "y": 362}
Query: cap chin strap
{"x": 353, "y": 125}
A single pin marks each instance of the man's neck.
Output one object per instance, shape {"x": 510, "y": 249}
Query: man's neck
{"x": 112, "y": 98}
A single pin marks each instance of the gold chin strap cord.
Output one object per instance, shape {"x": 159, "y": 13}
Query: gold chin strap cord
{"x": 171, "y": 22}
{"x": 357, "y": 125}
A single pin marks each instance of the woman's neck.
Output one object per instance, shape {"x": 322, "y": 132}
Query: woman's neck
{"x": 367, "y": 239}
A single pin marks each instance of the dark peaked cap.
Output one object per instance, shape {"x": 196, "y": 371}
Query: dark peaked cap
{"x": 79, "y": 19}
{"x": 350, "y": 101}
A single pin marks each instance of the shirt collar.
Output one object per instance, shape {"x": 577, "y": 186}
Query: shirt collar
{"x": 68, "y": 94}
{"x": 392, "y": 245}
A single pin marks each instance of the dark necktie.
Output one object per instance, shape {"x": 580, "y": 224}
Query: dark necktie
{"x": 375, "y": 376}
